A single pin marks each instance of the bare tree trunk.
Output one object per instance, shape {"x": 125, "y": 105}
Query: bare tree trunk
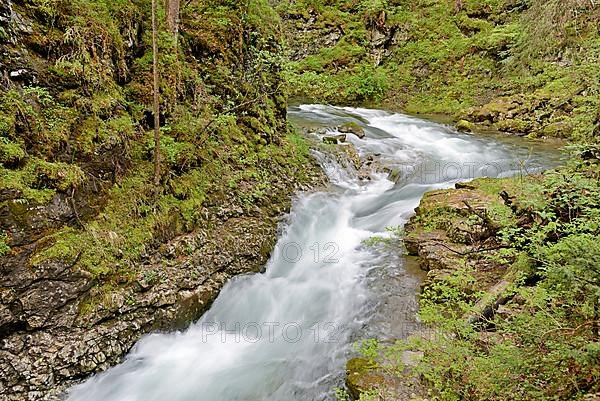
{"x": 172, "y": 7}
{"x": 173, "y": 15}
{"x": 156, "y": 89}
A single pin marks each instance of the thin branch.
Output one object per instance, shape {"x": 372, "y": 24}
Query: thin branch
{"x": 232, "y": 109}
{"x": 468, "y": 252}
{"x": 572, "y": 330}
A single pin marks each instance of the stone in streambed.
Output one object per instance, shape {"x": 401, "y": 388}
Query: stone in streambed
{"x": 335, "y": 139}
{"x": 352, "y": 128}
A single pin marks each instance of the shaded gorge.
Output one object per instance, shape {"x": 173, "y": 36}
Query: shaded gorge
{"x": 286, "y": 334}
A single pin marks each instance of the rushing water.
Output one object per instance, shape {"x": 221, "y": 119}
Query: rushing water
{"x": 285, "y": 334}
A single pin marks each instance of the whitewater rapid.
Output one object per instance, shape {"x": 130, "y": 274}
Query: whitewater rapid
{"x": 286, "y": 334}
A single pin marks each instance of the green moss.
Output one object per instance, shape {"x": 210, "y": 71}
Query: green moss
{"x": 362, "y": 377}
{"x": 4, "y": 247}
{"x": 465, "y": 126}
{"x": 38, "y": 180}
{"x": 62, "y": 176}
{"x": 133, "y": 219}
{"x": 10, "y": 152}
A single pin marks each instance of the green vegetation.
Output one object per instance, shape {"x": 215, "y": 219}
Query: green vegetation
{"x": 523, "y": 66}
{"x": 84, "y": 129}
{"x": 4, "y": 248}
{"x": 544, "y": 240}
{"x": 80, "y": 134}
{"x": 134, "y": 219}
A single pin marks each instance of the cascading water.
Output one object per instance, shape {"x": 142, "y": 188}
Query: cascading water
{"x": 285, "y": 334}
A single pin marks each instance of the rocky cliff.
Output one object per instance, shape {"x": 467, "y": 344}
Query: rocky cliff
{"x": 92, "y": 255}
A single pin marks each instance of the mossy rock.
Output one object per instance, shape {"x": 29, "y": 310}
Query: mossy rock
{"x": 558, "y": 129}
{"x": 515, "y": 126}
{"x": 362, "y": 375}
{"x": 334, "y": 139}
{"x": 465, "y": 126}
{"x": 10, "y": 153}
{"x": 352, "y": 128}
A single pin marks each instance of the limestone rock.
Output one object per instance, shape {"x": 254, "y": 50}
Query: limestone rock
{"x": 352, "y": 128}
{"x": 334, "y": 139}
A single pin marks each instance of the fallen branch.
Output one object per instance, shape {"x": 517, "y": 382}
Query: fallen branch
{"x": 470, "y": 252}
{"x": 487, "y": 306}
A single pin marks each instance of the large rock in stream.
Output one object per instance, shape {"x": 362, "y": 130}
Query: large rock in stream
{"x": 352, "y": 128}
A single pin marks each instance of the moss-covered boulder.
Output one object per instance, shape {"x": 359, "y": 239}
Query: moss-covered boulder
{"x": 352, "y": 128}
{"x": 334, "y": 139}
{"x": 362, "y": 375}
{"x": 366, "y": 378}
{"x": 465, "y": 126}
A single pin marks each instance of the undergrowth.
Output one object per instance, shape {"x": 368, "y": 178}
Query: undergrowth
{"x": 544, "y": 343}
{"x": 82, "y": 131}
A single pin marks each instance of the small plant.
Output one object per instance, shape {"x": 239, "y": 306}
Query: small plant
{"x": 368, "y": 348}
{"x": 130, "y": 300}
{"x": 341, "y": 394}
{"x": 395, "y": 234}
{"x": 4, "y": 248}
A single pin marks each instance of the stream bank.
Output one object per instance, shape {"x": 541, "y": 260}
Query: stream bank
{"x": 510, "y": 269}
{"x": 443, "y": 238}
{"x": 90, "y": 331}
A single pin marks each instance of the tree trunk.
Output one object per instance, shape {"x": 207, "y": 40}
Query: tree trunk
{"x": 172, "y": 7}
{"x": 156, "y": 89}
{"x": 173, "y": 15}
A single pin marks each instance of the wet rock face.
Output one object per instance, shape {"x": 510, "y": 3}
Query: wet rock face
{"x": 307, "y": 36}
{"x": 5, "y": 12}
{"x": 14, "y": 66}
{"x": 26, "y": 223}
{"x": 383, "y": 36}
{"x": 58, "y": 328}
{"x": 310, "y": 32}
